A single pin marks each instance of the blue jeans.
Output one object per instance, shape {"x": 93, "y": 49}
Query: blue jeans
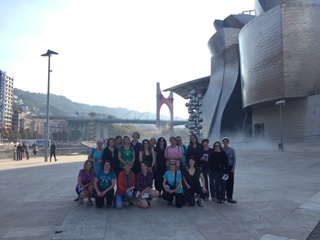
{"x": 120, "y": 197}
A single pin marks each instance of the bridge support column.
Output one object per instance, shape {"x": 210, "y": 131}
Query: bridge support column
{"x": 92, "y": 127}
{"x": 169, "y": 102}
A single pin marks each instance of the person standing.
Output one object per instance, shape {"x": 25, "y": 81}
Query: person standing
{"x": 96, "y": 156}
{"x": 14, "y": 152}
{"x": 19, "y": 152}
{"x": 160, "y": 167}
{"x": 147, "y": 154}
{"x": 230, "y": 168}
{"x": 183, "y": 149}
{"x": 35, "y": 150}
{"x": 173, "y": 152}
{"x": 194, "y": 149}
{"x": 126, "y": 153}
{"x": 218, "y": 165}
{"x": 137, "y": 147}
{"x": 53, "y": 151}
{"x": 110, "y": 153}
{"x": 206, "y": 156}
{"x": 26, "y": 149}
{"x": 118, "y": 141}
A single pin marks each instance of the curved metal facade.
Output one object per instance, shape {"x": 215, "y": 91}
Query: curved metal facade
{"x": 278, "y": 52}
{"x": 262, "y": 6}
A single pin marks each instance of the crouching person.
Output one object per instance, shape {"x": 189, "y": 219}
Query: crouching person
{"x": 144, "y": 187}
{"x": 84, "y": 186}
{"x": 104, "y": 186}
{"x": 172, "y": 185}
{"x": 192, "y": 187}
{"x": 125, "y": 187}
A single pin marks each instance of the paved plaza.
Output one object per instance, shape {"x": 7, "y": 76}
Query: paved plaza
{"x": 278, "y": 196}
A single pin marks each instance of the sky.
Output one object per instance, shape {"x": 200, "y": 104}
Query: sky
{"x": 111, "y": 53}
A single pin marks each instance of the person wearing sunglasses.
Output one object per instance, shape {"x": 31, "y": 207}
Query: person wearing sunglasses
{"x": 218, "y": 167}
{"x": 172, "y": 185}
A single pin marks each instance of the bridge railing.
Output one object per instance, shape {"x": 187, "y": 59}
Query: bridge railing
{"x": 67, "y": 151}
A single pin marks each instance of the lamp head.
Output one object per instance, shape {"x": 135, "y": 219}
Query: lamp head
{"x": 281, "y": 102}
{"x": 49, "y": 53}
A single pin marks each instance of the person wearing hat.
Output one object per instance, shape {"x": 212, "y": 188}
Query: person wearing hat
{"x": 230, "y": 168}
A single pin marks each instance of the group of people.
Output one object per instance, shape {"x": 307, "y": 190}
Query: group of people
{"x": 20, "y": 150}
{"x": 141, "y": 171}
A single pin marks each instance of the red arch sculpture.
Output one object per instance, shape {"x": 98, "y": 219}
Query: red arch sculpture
{"x": 169, "y": 102}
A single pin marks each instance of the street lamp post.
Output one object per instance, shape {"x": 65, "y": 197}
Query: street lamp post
{"x": 48, "y": 54}
{"x": 280, "y": 104}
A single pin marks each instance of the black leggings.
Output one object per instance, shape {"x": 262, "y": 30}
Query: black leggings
{"x": 108, "y": 196}
{"x": 169, "y": 197}
{"x": 191, "y": 192}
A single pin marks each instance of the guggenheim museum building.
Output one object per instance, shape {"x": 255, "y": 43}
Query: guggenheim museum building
{"x": 257, "y": 61}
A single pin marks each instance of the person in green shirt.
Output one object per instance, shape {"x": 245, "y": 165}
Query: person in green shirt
{"x": 126, "y": 152}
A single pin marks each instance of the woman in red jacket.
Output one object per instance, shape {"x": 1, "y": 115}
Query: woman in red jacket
{"x": 126, "y": 185}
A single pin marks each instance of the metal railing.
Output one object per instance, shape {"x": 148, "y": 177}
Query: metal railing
{"x": 67, "y": 151}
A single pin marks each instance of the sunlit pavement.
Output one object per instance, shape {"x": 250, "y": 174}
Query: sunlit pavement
{"x": 277, "y": 193}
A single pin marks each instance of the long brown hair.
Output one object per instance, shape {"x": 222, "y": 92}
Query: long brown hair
{"x": 84, "y": 166}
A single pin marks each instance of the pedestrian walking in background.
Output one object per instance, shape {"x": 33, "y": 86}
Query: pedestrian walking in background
{"x": 53, "y": 151}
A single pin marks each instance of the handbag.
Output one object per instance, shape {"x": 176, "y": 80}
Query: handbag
{"x": 175, "y": 182}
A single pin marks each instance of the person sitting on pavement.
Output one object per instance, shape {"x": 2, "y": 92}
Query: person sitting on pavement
{"x": 144, "y": 187}
{"x": 125, "y": 186}
{"x": 104, "y": 186}
{"x": 172, "y": 185}
{"x": 191, "y": 184}
{"x": 95, "y": 156}
{"x": 84, "y": 186}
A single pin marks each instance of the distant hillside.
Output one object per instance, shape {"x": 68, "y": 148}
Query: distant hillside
{"x": 62, "y": 106}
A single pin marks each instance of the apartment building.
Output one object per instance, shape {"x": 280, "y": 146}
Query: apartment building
{"x": 6, "y": 97}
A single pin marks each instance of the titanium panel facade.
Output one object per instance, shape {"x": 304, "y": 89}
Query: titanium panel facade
{"x": 261, "y": 55}
{"x": 262, "y": 6}
{"x": 278, "y": 54}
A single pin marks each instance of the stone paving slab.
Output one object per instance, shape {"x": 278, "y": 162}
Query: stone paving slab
{"x": 278, "y": 199}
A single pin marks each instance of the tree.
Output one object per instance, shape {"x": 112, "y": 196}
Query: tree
{"x": 75, "y": 135}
